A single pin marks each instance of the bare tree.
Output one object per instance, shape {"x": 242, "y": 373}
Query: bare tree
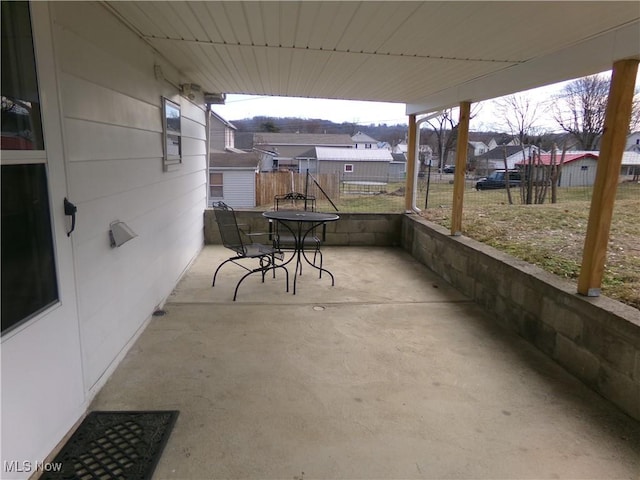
{"x": 445, "y": 128}
{"x": 520, "y": 114}
{"x": 634, "y": 124}
{"x": 580, "y": 107}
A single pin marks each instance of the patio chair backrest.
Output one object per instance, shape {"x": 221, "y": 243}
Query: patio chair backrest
{"x": 228, "y": 226}
{"x": 295, "y": 201}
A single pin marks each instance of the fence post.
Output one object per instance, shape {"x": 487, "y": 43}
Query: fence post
{"x": 411, "y": 163}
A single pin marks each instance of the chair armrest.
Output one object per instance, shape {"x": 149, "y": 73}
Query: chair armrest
{"x": 245, "y": 229}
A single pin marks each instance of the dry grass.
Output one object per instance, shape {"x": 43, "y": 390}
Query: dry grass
{"x": 552, "y": 237}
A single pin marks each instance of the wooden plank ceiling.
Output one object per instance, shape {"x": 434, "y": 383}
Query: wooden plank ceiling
{"x": 424, "y": 54}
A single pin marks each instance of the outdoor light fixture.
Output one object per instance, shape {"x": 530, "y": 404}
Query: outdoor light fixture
{"x": 120, "y": 233}
{"x": 189, "y": 90}
{"x": 215, "y": 98}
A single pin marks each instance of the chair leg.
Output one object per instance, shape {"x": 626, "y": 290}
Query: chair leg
{"x": 318, "y": 252}
{"x": 213, "y": 283}
{"x": 262, "y": 273}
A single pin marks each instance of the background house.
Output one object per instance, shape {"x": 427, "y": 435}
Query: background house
{"x": 221, "y": 134}
{"x": 279, "y": 150}
{"x": 501, "y": 140}
{"x": 232, "y": 178}
{"x": 633, "y": 142}
{"x": 349, "y": 164}
{"x": 398, "y": 167}
{"x": 578, "y": 168}
{"x": 362, "y": 140}
{"x": 630, "y": 169}
{"x": 494, "y": 159}
{"x": 477, "y": 148}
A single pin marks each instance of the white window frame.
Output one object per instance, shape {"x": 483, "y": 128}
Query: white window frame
{"x": 212, "y": 185}
{"x": 171, "y": 161}
{"x": 348, "y": 168}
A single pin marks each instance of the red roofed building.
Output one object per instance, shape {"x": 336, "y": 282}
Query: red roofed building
{"x": 578, "y": 168}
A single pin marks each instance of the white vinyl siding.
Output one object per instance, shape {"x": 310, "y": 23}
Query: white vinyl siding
{"x": 579, "y": 173}
{"x": 112, "y": 116}
{"x": 239, "y": 188}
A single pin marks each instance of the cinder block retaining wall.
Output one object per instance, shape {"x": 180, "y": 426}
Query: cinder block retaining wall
{"x": 353, "y": 229}
{"x": 596, "y": 339}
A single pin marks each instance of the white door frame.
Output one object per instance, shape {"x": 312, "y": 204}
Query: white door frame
{"x": 43, "y": 393}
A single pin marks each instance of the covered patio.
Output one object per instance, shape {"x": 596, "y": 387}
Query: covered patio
{"x": 391, "y": 373}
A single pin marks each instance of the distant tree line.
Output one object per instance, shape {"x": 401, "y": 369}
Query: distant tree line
{"x": 393, "y": 134}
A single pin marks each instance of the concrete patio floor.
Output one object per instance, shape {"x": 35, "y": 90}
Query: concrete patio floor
{"x": 390, "y": 374}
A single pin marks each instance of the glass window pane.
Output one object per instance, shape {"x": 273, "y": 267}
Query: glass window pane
{"x": 20, "y": 102}
{"x": 173, "y": 146}
{"x": 28, "y": 267}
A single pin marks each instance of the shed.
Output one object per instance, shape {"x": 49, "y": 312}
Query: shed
{"x": 578, "y": 168}
{"x": 351, "y": 164}
{"x": 232, "y": 179}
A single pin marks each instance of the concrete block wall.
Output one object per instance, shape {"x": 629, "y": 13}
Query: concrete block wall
{"x": 596, "y": 339}
{"x": 353, "y": 229}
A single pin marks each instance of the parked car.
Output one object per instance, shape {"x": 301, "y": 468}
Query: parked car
{"x": 449, "y": 169}
{"x": 497, "y": 179}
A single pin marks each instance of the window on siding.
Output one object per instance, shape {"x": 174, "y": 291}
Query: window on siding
{"x": 29, "y": 281}
{"x": 348, "y": 167}
{"x": 367, "y": 145}
{"x": 172, "y": 134}
{"x": 228, "y": 138}
{"x": 21, "y": 124}
{"x": 215, "y": 185}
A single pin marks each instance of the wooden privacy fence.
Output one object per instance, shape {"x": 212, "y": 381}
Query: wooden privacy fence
{"x": 270, "y": 184}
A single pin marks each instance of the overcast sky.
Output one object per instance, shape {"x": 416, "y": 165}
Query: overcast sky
{"x": 238, "y": 107}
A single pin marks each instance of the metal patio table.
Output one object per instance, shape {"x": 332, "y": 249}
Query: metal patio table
{"x": 305, "y": 222}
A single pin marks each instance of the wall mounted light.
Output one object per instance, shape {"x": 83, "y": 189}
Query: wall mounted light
{"x": 189, "y": 90}
{"x": 120, "y": 233}
{"x": 215, "y": 98}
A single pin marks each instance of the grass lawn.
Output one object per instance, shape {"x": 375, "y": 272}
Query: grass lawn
{"x": 552, "y": 237}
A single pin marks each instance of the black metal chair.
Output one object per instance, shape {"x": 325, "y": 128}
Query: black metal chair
{"x": 243, "y": 245}
{"x": 282, "y": 236}
{"x": 294, "y": 201}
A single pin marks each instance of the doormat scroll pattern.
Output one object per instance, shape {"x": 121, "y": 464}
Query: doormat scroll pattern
{"x": 122, "y": 445}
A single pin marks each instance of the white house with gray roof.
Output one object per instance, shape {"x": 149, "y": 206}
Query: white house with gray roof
{"x": 364, "y": 141}
{"x": 232, "y": 178}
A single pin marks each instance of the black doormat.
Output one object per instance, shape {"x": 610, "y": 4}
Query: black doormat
{"x": 114, "y": 445}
